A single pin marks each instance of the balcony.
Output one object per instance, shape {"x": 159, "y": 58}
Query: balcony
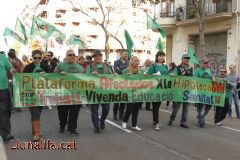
{"x": 214, "y": 12}
{"x": 166, "y": 19}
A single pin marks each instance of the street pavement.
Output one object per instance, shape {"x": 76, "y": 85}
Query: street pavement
{"x": 114, "y": 143}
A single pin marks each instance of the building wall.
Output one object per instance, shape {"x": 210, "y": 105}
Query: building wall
{"x": 216, "y": 51}
{"x": 181, "y": 38}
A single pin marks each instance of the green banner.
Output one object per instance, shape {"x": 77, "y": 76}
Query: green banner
{"x": 32, "y": 89}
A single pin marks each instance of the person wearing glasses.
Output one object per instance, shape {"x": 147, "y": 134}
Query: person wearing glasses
{"x": 181, "y": 70}
{"x": 221, "y": 112}
{"x": 68, "y": 114}
{"x": 36, "y": 67}
{"x": 95, "y": 68}
{"x": 49, "y": 61}
{"x": 203, "y": 72}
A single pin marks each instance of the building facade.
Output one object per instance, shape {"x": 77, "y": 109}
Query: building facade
{"x": 65, "y": 15}
{"x": 180, "y": 19}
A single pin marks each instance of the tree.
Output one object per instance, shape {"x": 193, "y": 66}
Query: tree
{"x": 103, "y": 23}
{"x": 200, "y": 7}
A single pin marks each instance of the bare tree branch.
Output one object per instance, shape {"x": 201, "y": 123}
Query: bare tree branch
{"x": 115, "y": 36}
{"x": 108, "y": 17}
{"x": 102, "y": 10}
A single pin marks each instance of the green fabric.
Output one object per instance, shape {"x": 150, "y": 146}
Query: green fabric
{"x": 37, "y": 69}
{"x": 193, "y": 58}
{"x": 41, "y": 28}
{"x": 5, "y": 66}
{"x": 151, "y": 24}
{"x": 74, "y": 40}
{"x": 68, "y": 68}
{"x": 100, "y": 69}
{"x": 139, "y": 71}
{"x": 129, "y": 43}
{"x": 59, "y": 36}
{"x": 160, "y": 45}
{"x": 72, "y": 89}
{"x": 20, "y": 28}
{"x": 11, "y": 33}
{"x": 154, "y": 68}
{"x": 203, "y": 73}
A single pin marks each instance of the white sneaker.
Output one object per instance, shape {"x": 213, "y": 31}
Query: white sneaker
{"x": 219, "y": 123}
{"x": 50, "y": 107}
{"x": 137, "y": 128}
{"x": 124, "y": 125}
{"x": 158, "y": 126}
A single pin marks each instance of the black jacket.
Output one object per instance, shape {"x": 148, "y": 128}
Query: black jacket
{"x": 52, "y": 65}
{"x": 30, "y": 68}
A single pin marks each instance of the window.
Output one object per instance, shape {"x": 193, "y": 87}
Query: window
{"x": 165, "y": 9}
{"x": 75, "y": 24}
{"x": 60, "y": 13}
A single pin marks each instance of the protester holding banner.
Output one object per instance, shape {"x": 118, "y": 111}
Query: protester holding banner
{"x": 203, "y": 72}
{"x": 95, "y": 68}
{"x": 132, "y": 108}
{"x": 234, "y": 94}
{"x": 221, "y": 112}
{"x": 5, "y": 99}
{"x": 120, "y": 65}
{"x": 36, "y": 67}
{"x": 68, "y": 114}
{"x": 181, "y": 70}
{"x": 157, "y": 68}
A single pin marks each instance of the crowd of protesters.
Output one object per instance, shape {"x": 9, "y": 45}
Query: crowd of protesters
{"x": 93, "y": 65}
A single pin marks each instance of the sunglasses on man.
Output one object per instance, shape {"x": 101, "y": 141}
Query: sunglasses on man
{"x": 37, "y": 58}
{"x": 71, "y": 55}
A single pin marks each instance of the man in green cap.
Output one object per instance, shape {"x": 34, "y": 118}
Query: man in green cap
{"x": 203, "y": 72}
{"x": 181, "y": 70}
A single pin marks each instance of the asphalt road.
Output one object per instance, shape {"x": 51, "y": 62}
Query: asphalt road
{"x": 170, "y": 143}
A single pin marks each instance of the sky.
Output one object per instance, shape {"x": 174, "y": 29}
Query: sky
{"x": 9, "y": 11}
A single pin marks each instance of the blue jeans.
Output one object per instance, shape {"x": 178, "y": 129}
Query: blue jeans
{"x": 5, "y": 112}
{"x": 94, "y": 114}
{"x": 202, "y": 113}
{"x": 234, "y": 96}
{"x": 175, "y": 108}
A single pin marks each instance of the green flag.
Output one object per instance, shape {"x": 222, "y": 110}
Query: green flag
{"x": 11, "y": 33}
{"x": 41, "y": 28}
{"x": 160, "y": 45}
{"x": 59, "y": 36}
{"x": 129, "y": 43}
{"x": 193, "y": 58}
{"x": 76, "y": 40}
{"x": 151, "y": 24}
{"x": 20, "y": 28}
